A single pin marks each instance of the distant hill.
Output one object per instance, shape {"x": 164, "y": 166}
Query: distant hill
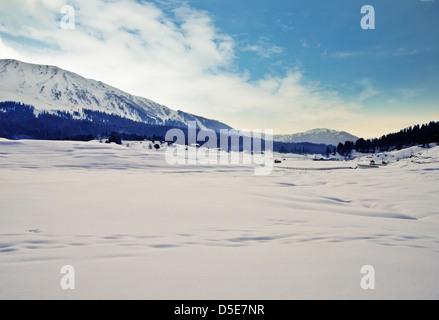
{"x": 318, "y": 136}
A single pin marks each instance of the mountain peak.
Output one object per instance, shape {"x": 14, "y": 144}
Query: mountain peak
{"x": 319, "y": 136}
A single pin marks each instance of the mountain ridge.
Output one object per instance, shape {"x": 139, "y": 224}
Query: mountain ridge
{"x": 51, "y": 89}
{"x": 318, "y": 135}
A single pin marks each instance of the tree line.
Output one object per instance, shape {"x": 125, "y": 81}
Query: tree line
{"x": 18, "y": 121}
{"x": 408, "y": 137}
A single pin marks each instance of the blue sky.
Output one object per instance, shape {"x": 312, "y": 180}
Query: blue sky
{"x": 284, "y": 65}
{"x": 325, "y": 39}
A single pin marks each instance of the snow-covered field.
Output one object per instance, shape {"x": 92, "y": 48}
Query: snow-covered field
{"x": 134, "y": 227}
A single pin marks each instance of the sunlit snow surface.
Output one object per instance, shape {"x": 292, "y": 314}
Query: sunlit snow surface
{"x": 134, "y": 227}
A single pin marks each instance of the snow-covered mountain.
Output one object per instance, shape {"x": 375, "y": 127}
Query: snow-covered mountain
{"x": 51, "y": 89}
{"x": 325, "y": 136}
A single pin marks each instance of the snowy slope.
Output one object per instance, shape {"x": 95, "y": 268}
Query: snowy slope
{"x": 325, "y": 136}
{"x": 49, "y": 88}
{"x": 415, "y": 154}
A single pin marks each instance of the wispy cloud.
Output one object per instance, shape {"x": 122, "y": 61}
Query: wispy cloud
{"x": 409, "y": 93}
{"x": 381, "y": 52}
{"x": 347, "y": 54}
{"x": 404, "y": 94}
{"x": 265, "y": 52}
{"x": 284, "y": 27}
{"x": 368, "y": 90}
{"x": 399, "y": 52}
{"x": 263, "y": 48}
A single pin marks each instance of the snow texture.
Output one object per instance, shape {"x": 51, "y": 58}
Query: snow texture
{"x": 134, "y": 227}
